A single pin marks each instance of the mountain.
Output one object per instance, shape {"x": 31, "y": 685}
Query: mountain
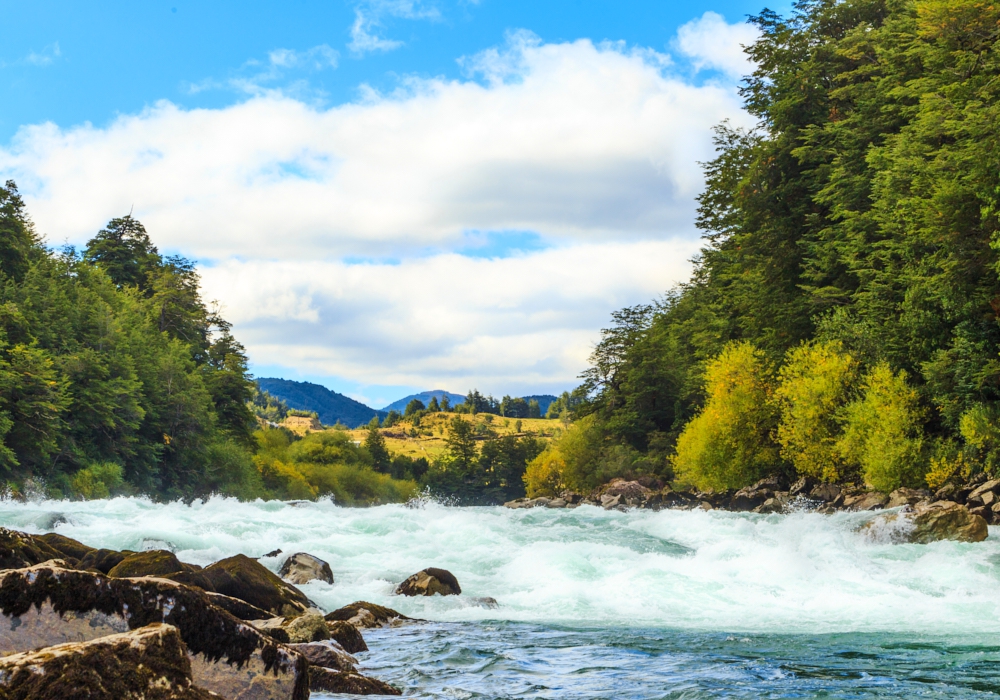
{"x": 543, "y": 401}
{"x": 330, "y": 405}
{"x": 425, "y": 396}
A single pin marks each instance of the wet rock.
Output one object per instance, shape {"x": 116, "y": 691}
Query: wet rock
{"x": 828, "y": 493}
{"x": 325, "y": 680}
{"x": 18, "y": 549}
{"x": 364, "y": 615}
{"x": 239, "y": 609}
{"x": 158, "y": 562}
{"x": 44, "y": 605}
{"x": 328, "y": 654}
{"x": 430, "y": 581}
{"x": 150, "y": 663}
{"x": 103, "y": 560}
{"x": 907, "y": 497}
{"x": 868, "y": 500}
{"x": 245, "y": 578}
{"x": 930, "y": 522}
{"x": 485, "y": 602}
{"x": 68, "y": 548}
{"x": 272, "y": 553}
{"x": 347, "y": 635}
{"x": 302, "y": 568}
{"x": 310, "y": 627}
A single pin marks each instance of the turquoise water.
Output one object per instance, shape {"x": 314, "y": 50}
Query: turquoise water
{"x": 595, "y": 604}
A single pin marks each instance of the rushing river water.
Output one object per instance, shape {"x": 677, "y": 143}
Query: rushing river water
{"x": 595, "y": 604}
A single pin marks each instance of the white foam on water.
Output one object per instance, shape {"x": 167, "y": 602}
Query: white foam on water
{"x": 689, "y": 570}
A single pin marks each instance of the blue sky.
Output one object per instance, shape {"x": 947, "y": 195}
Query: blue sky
{"x": 389, "y": 195}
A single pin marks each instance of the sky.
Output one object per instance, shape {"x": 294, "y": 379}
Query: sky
{"x": 384, "y": 196}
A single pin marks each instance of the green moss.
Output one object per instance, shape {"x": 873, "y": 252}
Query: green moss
{"x": 245, "y": 578}
{"x": 157, "y": 562}
{"x": 18, "y": 550}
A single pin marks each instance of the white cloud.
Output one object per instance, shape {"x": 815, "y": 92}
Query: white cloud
{"x": 518, "y": 324}
{"x": 260, "y": 78}
{"x": 712, "y": 43}
{"x": 594, "y": 148}
{"x": 369, "y": 16}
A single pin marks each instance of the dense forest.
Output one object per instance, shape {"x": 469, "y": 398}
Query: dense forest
{"x": 842, "y": 318}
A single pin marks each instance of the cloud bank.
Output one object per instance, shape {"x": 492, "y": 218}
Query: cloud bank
{"x": 593, "y": 149}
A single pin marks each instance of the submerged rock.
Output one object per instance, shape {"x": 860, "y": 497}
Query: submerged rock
{"x": 45, "y": 605}
{"x": 302, "y": 568}
{"x": 328, "y": 654}
{"x": 347, "y": 635}
{"x": 150, "y": 663}
{"x": 430, "y": 581}
{"x": 329, "y": 681}
{"x": 365, "y": 615}
{"x": 941, "y": 520}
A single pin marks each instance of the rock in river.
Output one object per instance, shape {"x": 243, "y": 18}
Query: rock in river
{"x": 149, "y": 663}
{"x": 430, "y": 581}
{"x": 941, "y": 520}
{"x": 364, "y": 615}
{"x": 302, "y": 568}
{"x": 328, "y": 654}
{"x": 245, "y": 578}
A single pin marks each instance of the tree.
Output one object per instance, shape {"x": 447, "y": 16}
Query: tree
{"x": 461, "y": 443}
{"x": 413, "y": 406}
{"x": 375, "y": 444}
{"x": 728, "y": 444}
{"x": 123, "y": 250}
{"x": 433, "y": 406}
{"x": 445, "y": 404}
{"x": 17, "y": 239}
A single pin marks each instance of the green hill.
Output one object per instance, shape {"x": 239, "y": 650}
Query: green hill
{"x": 329, "y": 405}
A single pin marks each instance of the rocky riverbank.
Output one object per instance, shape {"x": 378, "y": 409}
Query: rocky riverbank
{"x": 952, "y": 512}
{"x": 80, "y": 622}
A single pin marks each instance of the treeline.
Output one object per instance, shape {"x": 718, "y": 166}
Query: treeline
{"x": 116, "y": 378}
{"x": 842, "y": 319}
{"x": 474, "y": 404}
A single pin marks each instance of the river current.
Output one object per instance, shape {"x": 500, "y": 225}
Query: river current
{"x": 597, "y": 604}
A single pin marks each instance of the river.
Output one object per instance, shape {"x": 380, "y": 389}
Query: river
{"x": 597, "y": 604}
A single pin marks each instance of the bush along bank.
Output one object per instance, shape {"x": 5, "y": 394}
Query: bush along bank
{"x": 957, "y": 513}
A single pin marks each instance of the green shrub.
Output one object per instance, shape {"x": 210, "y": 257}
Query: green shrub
{"x": 728, "y": 444}
{"x": 99, "y": 480}
{"x": 230, "y": 470}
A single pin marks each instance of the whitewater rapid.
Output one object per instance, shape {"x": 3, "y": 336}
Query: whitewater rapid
{"x": 687, "y": 571}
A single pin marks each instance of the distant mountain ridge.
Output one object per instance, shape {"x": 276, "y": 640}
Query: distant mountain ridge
{"x": 329, "y": 405}
{"x": 425, "y": 397}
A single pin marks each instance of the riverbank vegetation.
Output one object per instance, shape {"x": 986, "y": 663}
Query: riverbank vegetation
{"x": 843, "y": 318}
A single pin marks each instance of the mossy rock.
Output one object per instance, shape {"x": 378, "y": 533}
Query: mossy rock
{"x": 103, "y": 560}
{"x": 365, "y": 614}
{"x": 325, "y": 680}
{"x": 157, "y": 562}
{"x": 347, "y": 635}
{"x": 237, "y": 608}
{"x": 245, "y": 578}
{"x": 18, "y": 550}
{"x": 71, "y": 550}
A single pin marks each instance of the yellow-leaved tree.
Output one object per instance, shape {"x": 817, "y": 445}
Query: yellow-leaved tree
{"x": 544, "y": 474}
{"x": 729, "y": 444}
{"x": 813, "y": 388}
{"x": 883, "y": 431}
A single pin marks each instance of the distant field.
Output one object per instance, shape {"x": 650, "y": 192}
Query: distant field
{"x": 429, "y": 440}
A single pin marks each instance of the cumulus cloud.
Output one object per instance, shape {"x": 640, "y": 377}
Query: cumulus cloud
{"x": 517, "y": 324}
{"x": 710, "y": 42}
{"x": 583, "y": 155}
{"x": 369, "y": 17}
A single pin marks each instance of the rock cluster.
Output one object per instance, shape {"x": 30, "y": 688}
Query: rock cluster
{"x": 958, "y": 513}
{"x": 82, "y": 622}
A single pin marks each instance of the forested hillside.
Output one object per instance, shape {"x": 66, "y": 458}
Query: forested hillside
{"x": 331, "y": 407}
{"x": 113, "y": 371}
{"x": 842, "y": 319}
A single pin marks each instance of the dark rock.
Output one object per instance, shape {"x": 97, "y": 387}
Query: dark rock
{"x": 325, "y": 680}
{"x": 302, "y": 568}
{"x": 150, "y": 663}
{"x": 103, "y": 560}
{"x": 158, "y": 562}
{"x": 802, "y": 487}
{"x": 45, "y": 605}
{"x": 364, "y": 615}
{"x": 239, "y": 609}
{"x": 571, "y": 497}
{"x": 68, "y": 548}
{"x": 828, "y": 493}
{"x": 962, "y": 494}
{"x": 245, "y": 578}
{"x": 328, "y": 654}
{"x": 18, "y": 549}
{"x": 273, "y": 553}
{"x": 747, "y": 499}
{"x": 430, "y": 581}
{"x": 347, "y": 635}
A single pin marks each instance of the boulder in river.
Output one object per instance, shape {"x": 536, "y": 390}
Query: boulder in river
{"x": 46, "y": 605}
{"x": 19, "y": 549}
{"x": 308, "y": 627}
{"x": 302, "y": 568}
{"x": 149, "y": 663}
{"x": 365, "y": 615}
{"x": 329, "y": 681}
{"x": 347, "y": 635}
{"x": 328, "y": 654}
{"x": 930, "y": 522}
{"x": 156, "y": 562}
{"x": 430, "y": 581}
{"x": 245, "y": 578}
